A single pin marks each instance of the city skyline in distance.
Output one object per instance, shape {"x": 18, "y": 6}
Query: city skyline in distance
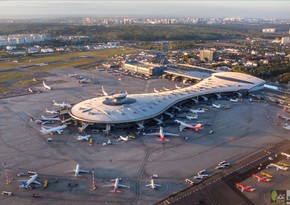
{"x": 10, "y": 9}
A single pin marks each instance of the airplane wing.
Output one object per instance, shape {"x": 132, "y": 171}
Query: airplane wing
{"x": 157, "y": 184}
{"x": 147, "y": 185}
{"x": 153, "y": 134}
{"x": 170, "y": 134}
{"x": 181, "y": 128}
{"x": 109, "y": 185}
{"x": 69, "y": 171}
{"x": 82, "y": 170}
{"x": 36, "y": 182}
{"x": 123, "y": 186}
{"x": 59, "y": 131}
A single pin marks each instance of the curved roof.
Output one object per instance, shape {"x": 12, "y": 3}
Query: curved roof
{"x": 150, "y": 105}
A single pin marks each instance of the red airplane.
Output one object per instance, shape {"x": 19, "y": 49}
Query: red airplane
{"x": 283, "y": 117}
{"x": 245, "y": 188}
{"x": 264, "y": 179}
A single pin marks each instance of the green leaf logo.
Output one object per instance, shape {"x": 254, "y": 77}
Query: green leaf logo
{"x": 274, "y": 195}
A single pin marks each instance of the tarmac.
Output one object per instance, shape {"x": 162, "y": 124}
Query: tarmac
{"x": 244, "y": 129}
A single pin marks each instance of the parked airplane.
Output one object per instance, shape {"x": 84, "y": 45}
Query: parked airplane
{"x": 77, "y": 170}
{"x": 125, "y": 139}
{"x": 286, "y": 109}
{"x": 285, "y": 154}
{"x": 234, "y": 100}
{"x": 40, "y": 121}
{"x": 152, "y": 185}
{"x": 216, "y": 106}
{"x": 204, "y": 98}
{"x": 183, "y": 125}
{"x": 283, "y": 164}
{"x": 72, "y": 75}
{"x": 162, "y": 134}
{"x": 159, "y": 122}
{"x": 29, "y": 89}
{"x": 287, "y": 127}
{"x": 46, "y": 86}
{"x": 189, "y": 117}
{"x": 266, "y": 174}
{"x": 50, "y": 119}
{"x": 218, "y": 96}
{"x": 156, "y": 91}
{"x": 85, "y": 80}
{"x": 105, "y": 93}
{"x": 195, "y": 100}
{"x": 200, "y": 177}
{"x": 26, "y": 183}
{"x": 166, "y": 89}
{"x": 83, "y": 138}
{"x": 264, "y": 179}
{"x": 199, "y": 110}
{"x": 245, "y": 188}
{"x": 177, "y": 87}
{"x": 283, "y": 117}
{"x": 62, "y": 105}
{"x": 51, "y": 130}
{"x": 278, "y": 167}
{"x": 116, "y": 185}
{"x": 51, "y": 111}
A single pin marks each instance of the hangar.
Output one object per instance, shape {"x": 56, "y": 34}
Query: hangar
{"x": 127, "y": 110}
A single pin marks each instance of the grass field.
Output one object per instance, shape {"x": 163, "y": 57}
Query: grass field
{"x": 12, "y": 76}
{"x": 28, "y": 60}
{"x": 3, "y": 90}
{"x": 25, "y": 82}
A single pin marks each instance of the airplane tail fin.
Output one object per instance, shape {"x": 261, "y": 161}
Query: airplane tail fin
{"x": 31, "y": 119}
{"x": 181, "y": 128}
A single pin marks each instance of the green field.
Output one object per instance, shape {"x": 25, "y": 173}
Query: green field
{"x": 3, "y": 90}
{"x": 28, "y": 60}
{"x": 12, "y": 76}
{"x": 25, "y": 82}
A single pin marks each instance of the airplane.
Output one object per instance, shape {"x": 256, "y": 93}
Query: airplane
{"x": 189, "y": 117}
{"x": 65, "y": 120}
{"x": 264, "y": 179}
{"x": 166, "y": 89}
{"x": 245, "y": 188}
{"x": 287, "y": 127}
{"x": 266, "y": 175}
{"x": 285, "y": 154}
{"x": 283, "y": 164}
{"x": 278, "y": 167}
{"x": 29, "y": 89}
{"x": 158, "y": 121}
{"x": 62, "y": 105}
{"x": 85, "y": 80}
{"x": 51, "y": 130}
{"x": 26, "y": 183}
{"x": 51, "y": 111}
{"x": 200, "y": 177}
{"x": 83, "y": 138}
{"x": 125, "y": 139}
{"x": 40, "y": 121}
{"x": 162, "y": 134}
{"x": 218, "y": 96}
{"x": 195, "y": 100}
{"x": 199, "y": 110}
{"x": 77, "y": 170}
{"x": 283, "y": 117}
{"x": 234, "y": 100}
{"x": 105, "y": 93}
{"x": 178, "y": 87}
{"x": 46, "y": 86}
{"x": 156, "y": 91}
{"x": 72, "y": 75}
{"x": 177, "y": 108}
{"x": 50, "y": 119}
{"x": 152, "y": 185}
{"x": 169, "y": 114}
{"x": 286, "y": 109}
{"x": 204, "y": 98}
{"x": 116, "y": 185}
{"x": 183, "y": 125}
{"x": 216, "y": 106}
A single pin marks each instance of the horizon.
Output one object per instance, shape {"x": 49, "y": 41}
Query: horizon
{"x": 15, "y": 9}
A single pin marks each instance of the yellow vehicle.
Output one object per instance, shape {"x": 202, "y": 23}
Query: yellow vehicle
{"x": 45, "y": 183}
{"x": 206, "y": 109}
{"x": 283, "y": 164}
{"x": 266, "y": 175}
{"x": 91, "y": 141}
{"x": 132, "y": 136}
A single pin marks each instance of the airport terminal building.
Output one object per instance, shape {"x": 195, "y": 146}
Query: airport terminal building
{"x": 122, "y": 110}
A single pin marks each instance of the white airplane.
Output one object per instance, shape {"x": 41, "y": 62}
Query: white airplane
{"x": 51, "y": 111}
{"x": 234, "y": 100}
{"x": 46, "y": 86}
{"x": 50, "y": 119}
{"x": 278, "y": 167}
{"x": 152, "y": 185}
{"x": 218, "y": 96}
{"x": 40, "y": 121}
{"x": 116, "y": 185}
{"x": 158, "y": 121}
{"x": 283, "y": 117}
{"x": 199, "y": 110}
{"x": 178, "y": 87}
{"x": 239, "y": 94}
{"x": 183, "y": 125}
{"x": 66, "y": 120}
{"x": 287, "y": 127}
{"x": 156, "y": 91}
{"x": 85, "y": 80}
{"x": 72, "y": 75}
{"x": 204, "y": 98}
{"x": 199, "y": 177}
{"x": 105, "y": 93}
{"x": 125, "y": 139}
{"x": 77, "y": 170}
{"x": 62, "y": 105}
{"x": 51, "y": 130}
{"x": 162, "y": 134}
{"x": 195, "y": 100}
{"x": 29, "y": 89}
{"x": 166, "y": 89}
{"x": 189, "y": 117}
{"x": 285, "y": 154}
{"x": 216, "y": 106}
{"x": 26, "y": 183}
{"x": 83, "y": 138}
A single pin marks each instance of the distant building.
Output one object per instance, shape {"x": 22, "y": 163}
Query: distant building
{"x": 144, "y": 68}
{"x": 208, "y": 55}
{"x": 269, "y": 30}
{"x": 285, "y": 40}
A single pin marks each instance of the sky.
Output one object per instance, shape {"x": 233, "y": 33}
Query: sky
{"x": 146, "y": 8}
